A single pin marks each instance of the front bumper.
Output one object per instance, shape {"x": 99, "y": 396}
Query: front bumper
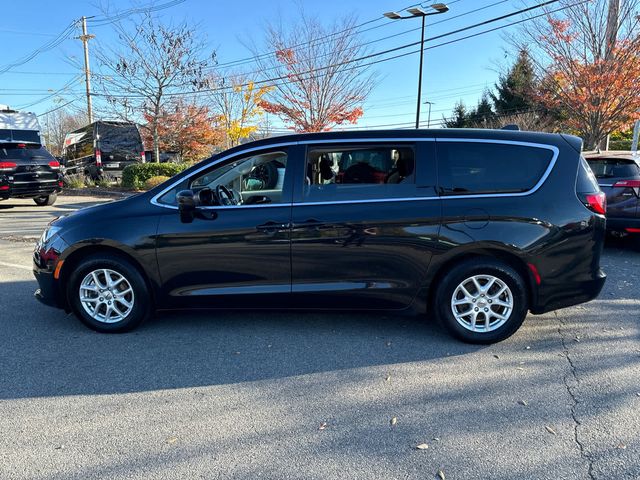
{"x": 45, "y": 260}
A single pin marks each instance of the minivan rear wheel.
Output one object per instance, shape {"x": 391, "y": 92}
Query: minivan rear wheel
{"x": 108, "y": 294}
{"x": 46, "y": 200}
{"x": 482, "y": 301}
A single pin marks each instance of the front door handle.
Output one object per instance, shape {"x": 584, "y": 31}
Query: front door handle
{"x": 273, "y": 227}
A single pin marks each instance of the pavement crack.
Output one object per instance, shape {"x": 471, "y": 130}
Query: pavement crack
{"x": 574, "y": 400}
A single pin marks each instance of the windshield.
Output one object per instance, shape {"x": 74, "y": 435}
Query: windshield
{"x": 23, "y": 152}
{"x": 119, "y": 138}
{"x": 31, "y": 136}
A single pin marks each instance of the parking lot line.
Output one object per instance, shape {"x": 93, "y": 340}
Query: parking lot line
{"x": 15, "y": 265}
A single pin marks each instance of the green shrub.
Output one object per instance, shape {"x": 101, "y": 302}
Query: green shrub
{"x": 155, "y": 181}
{"x": 619, "y": 144}
{"x": 74, "y": 180}
{"x": 135, "y": 176}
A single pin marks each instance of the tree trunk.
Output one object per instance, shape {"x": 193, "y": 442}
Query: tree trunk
{"x": 156, "y": 142}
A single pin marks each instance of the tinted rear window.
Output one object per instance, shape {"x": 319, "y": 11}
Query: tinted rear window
{"x": 474, "y": 167}
{"x": 28, "y": 152}
{"x": 19, "y": 136}
{"x": 614, "y": 167}
{"x": 124, "y": 138}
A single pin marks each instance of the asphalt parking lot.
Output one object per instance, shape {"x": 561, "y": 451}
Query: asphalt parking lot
{"x": 313, "y": 396}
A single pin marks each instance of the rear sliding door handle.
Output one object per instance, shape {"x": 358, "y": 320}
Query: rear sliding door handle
{"x": 310, "y": 224}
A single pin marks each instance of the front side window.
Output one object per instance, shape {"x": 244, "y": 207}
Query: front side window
{"x": 345, "y": 172}
{"x": 250, "y": 180}
{"x": 485, "y": 168}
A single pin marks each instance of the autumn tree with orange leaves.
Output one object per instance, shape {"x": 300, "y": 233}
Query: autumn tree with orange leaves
{"x": 186, "y": 129}
{"x": 589, "y": 74}
{"x": 320, "y": 83}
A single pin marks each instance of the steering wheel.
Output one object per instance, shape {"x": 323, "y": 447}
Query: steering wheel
{"x": 225, "y": 197}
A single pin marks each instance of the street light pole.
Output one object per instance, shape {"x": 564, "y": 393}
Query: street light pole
{"x": 420, "y": 75}
{"x": 429, "y": 115}
{"x": 419, "y": 12}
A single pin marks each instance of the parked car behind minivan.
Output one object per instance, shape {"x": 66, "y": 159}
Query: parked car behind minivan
{"x": 103, "y": 149}
{"x": 618, "y": 174}
{"x": 475, "y": 227}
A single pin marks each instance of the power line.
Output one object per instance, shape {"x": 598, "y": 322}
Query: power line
{"x": 67, "y": 85}
{"x": 109, "y": 19}
{"x": 61, "y": 37}
{"x": 377, "y": 54}
{"x": 57, "y": 108}
{"x": 249, "y": 60}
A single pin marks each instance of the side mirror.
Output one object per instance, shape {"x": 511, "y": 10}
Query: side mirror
{"x": 186, "y": 205}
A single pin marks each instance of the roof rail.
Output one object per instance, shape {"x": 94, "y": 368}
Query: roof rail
{"x": 511, "y": 126}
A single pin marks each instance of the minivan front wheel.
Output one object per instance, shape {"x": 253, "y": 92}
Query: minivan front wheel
{"x": 108, "y": 294}
{"x": 482, "y": 301}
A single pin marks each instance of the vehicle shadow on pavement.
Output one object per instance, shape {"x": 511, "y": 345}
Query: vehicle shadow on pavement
{"x": 44, "y": 352}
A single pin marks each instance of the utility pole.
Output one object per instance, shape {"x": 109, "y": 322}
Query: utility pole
{"x": 85, "y": 37}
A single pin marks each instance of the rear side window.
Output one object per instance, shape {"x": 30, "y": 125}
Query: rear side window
{"x": 354, "y": 172}
{"x": 122, "y": 138}
{"x": 586, "y": 181}
{"x": 476, "y": 167}
{"x": 614, "y": 167}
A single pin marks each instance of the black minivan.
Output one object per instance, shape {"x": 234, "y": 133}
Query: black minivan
{"x": 476, "y": 227}
{"x": 103, "y": 149}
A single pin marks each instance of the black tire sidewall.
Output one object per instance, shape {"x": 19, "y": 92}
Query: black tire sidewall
{"x": 142, "y": 304}
{"x": 482, "y": 267}
{"x": 46, "y": 200}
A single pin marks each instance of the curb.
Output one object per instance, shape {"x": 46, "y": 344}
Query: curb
{"x": 96, "y": 192}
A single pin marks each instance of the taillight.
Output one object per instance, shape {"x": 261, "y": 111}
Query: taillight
{"x": 627, "y": 184}
{"x": 143, "y": 157}
{"x": 54, "y": 164}
{"x": 4, "y": 188}
{"x": 596, "y": 202}
{"x": 7, "y": 166}
{"x": 21, "y": 145}
{"x": 98, "y": 158}
{"x": 61, "y": 184}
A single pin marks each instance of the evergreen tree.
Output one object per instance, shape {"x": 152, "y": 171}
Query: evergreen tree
{"x": 460, "y": 117}
{"x": 482, "y": 115}
{"x": 515, "y": 89}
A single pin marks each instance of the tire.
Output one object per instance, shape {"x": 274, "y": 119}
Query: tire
{"x": 46, "y": 200}
{"x": 503, "y": 320}
{"x": 113, "y": 265}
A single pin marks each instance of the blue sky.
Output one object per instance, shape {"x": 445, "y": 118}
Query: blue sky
{"x": 459, "y": 71}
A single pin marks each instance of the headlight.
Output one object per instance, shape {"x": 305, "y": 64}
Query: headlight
{"x": 49, "y": 233}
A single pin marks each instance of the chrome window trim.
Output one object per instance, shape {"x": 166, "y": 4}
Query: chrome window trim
{"x": 536, "y": 187}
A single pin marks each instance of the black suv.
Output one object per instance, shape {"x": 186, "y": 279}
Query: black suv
{"x": 28, "y": 170}
{"x": 477, "y": 227}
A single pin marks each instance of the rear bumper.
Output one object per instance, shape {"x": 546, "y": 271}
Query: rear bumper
{"x": 569, "y": 294}
{"x": 30, "y": 189}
